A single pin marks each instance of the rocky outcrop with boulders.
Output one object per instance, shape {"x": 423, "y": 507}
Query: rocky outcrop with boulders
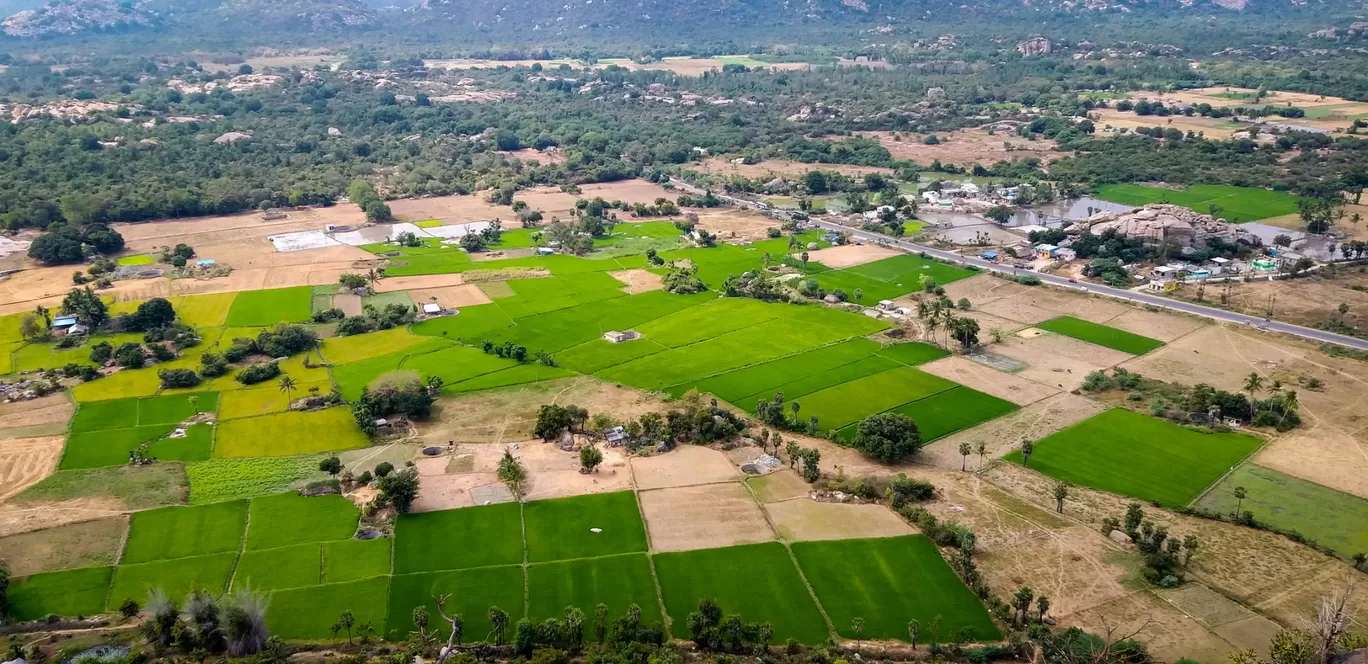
{"x": 1161, "y": 221}
{"x": 1035, "y": 46}
{"x": 76, "y": 16}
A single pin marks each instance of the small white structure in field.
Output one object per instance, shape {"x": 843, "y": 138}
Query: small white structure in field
{"x": 619, "y": 337}
{"x": 432, "y": 309}
{"x": 887, "y": 305}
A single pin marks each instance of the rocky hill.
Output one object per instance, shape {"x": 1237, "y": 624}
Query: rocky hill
{"x": 68, "y": 17}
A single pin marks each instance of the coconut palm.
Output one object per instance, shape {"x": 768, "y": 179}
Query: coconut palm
{"x": 1253, "y": 383}
{"x": 287, "y": 385}
{"x": 244, "y": 622}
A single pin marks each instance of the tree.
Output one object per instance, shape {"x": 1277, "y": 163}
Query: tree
{"x": 601, "y": 622}
{"x": 1060, "y": 491}
{"x": 590, "y": 457}
{"x": 1253, "y": 383}
{"x": 499, "y": 620}
{"x": 399, "y": 489}
{"x": 86, "y": 306}
{"x": 152, "y": 314}
{"x": 1027, "y": 447}
{"x": 1021, "y": 600}
{"x": 472, "y": 242}
{"x": 4, "y": 591}
{"x": 346, "y": 621}
{"x": 287, "y": 385}
{"x": 999, "y": 213}
{"x": 1042, "y": 607}
{"x": 44, "y": 314}
{"x": 858, "y": 294}
{"x": 331, "y": 465}
{"x": 857, "y": 625}
{"x": 913, "y": 631}
{"x": 982, "y": 451}
{"x": 573, "y": 622}
{"x": 129, "y": 355}
{"x": 512, "y": 473}
{"x": 887, "y": 437}
{"x": 964, "y": 451}
{"x": 244, "y": 622}
{"x": 552, "y": 419}
{"x": 965, "y": 330}
{"x": 1240, "y": 494}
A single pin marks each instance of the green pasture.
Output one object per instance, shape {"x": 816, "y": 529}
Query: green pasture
{"x": 177, "y": 578}
{"x": 412, "y": 261}
{"x": 181, "y": 532}
{"x": 756, "y": 581}
{"x": 431, "y": 541}
{"x": 850, "y": 402}
{"x": 289, "y": 434}
{"x": 136, "y": 259}
{"x": 816, "y": 382}
{"x": 913, "y": 353}
{"x": 558, "y": 330}
{"x": 471, "y": 325}
{"x": 1324, "y": 515}
{"x": 891, "y": 277}
{"x": 101, "y": 415}
{"x": 345, "y": 350}
{"x": 1143, "y": 457}
{"x": 516, "y": 375}
{"x": 72, "y": 592}
{"x": 472, "y": 593}
{"x": 277, "y": 569}
{"x": 220, "y": 480}
{"x": 288, "y": 518}
{"x": 203, "y": 311}
{"x": 264, "y": 308}
{"x": 953, "y": 410}
{"x": 617, "y": 581}
{"x": 354, "y": 559}
{"x": 127, "y": 383}
{"x": 95, "y": 449}
{"x": 709, "y": 321}
{"x": 561, "y": 529}
{"x": 889, "y": 581}
{"x": 769, "y": 376}
{"x": 1101, "y": 335}
{"x": 1236, "y": 204}
{"x": 599, "y": 354}
{"x": 456, "y": 363}
{"x": 309, "y": 613}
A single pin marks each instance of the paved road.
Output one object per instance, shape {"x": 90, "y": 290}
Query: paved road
{"x": 1118, "y": 293}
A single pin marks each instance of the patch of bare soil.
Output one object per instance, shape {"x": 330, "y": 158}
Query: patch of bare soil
{"x": 349, "y": 303}
{"x": 964, "y": 147}
{"x": 450, "y": 297}
{"x": 52, "y": 409}
{"x": 849, "y": 255}
{"x": 734, "y": 225}
{"x": 1167, "y": 632}
{"x": 1156, "y": 324}
{"x": 554, "y": 473}
{"x": 85, "y": 544}
{"x": 26, "y": 461}
{"x": 1205, "y": 605}
{"x": 802, "y": 519}
{"x": 444, "y": 492}
{"x": 1056, "y": 360}
{"x": 686, "y": 465}
{"x": 1330, "y": 447}
{"x": 502, "y": 415}
{"x": 781, "y": 168}
{"x": 391, "y": 284}
{"x": 1075, "y": 567}
{"x": 782, "y": 484}
{"x": 16, "y": 519}
{"x": 983, "y": 288}
{"x": 1011, "y": 387}
{"x": 1108, "y": 119}
{"x": 548, "y": 158}
{"x": 703, "y": 517}
{"x": 638, "y": 281}
{"x": 1307, "y": 301}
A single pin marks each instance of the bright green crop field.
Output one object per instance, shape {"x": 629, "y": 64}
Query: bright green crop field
{"x": 889, "y": 581}
{"x": 177, "y": 578}
{"x": 1138, "y": 456}
{"x": 562, "y": 528}
{"x": 289, "y": 518}
{"x": 277, "y": 569}
{"x": 309, "y": 613}
{"x": 849, "y": 402}
{"x": 264, "y": 308}
{"x": 429, "y": 541}
{"x": 354, "y": 559}
{"x": 769, "y": 376}
{"x": 1324, "y": 515}
{"x": 73, "y": 592}
{"x": 472, "y": 593}
{"x": 613, "y": 580}
{"x": 180, "y": 532}
{"x": 1101, "y": 335}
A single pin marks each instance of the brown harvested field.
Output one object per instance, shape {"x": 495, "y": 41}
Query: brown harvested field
{"x": 850, "y": 255}
{"x": 1005, "y": 433}
{"x": 638, "y": 281}
{"x": 85, "y": 544}
{"x": 1308, "y": 301}
{"x": 507, "y": 414}
{"x": 1013, "y": 388}
{"x": 1330, "y": 447}
{"x": 779, "y": 485}
{"x": 550, "y": 200}
{"x": 964, "y": 147}
{"x": 26, "y": 461}
{"x": 52, "y": 409}
{"x": 703, "y": 517}
{"x": 349, "y": 303}
{"x": 391, "y": 284}
{"x": 16, "y": 518}
{"x": 686, "y": 465}
{"x": 983, "y": 288}
{"x": 1168, "y": 633}
{"x": 444, "y": 492}
{"x": 1044, "y": 563}
{"x": 780, "y": 168}
{"x": 802, "y": 519}
{"x": 1346, "y": 226}
{"x": 450, "y": 297}
{"x": 1057, "y": 360}
{"x": 1205, "y": 605}
{"x": 734, "y": 225}
{"x": 1252, "y": 633}
{"x": 553, "y": 473}
{"x": 1328, "y": 113}
{"x": 1155, "y": 324}
{"x": 1039, "y": 304}
{"x": 1108, "y": 119}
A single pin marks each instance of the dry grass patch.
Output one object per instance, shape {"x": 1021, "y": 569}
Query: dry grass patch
{"x": 638, "y": 281}
{"x": 735, "y": 225}
{"x": 781, "y": 168}
{"x": 85, "y": 544}
{"x": 408, "y": 283}
{"x": 1204, "y": 604}
{"x": 1215, "y": 128}
{"x": 1167, "y": 632}
{"x": 1057, "y": 360}
{"x": 1076, "y": 568}
{"x": 685, "y": 466}
{"x": 964, "y": 147}
{"x": 850, "y": 255}
{"x": 779, "y": 485}
{"x": 450, "y": 297}
{"x": 502, "y": 415}
{"x": 26, "y": 461}
{"x": 703, "y": 517}
{"x": 554, "y": 473}
{"x": 52, "y": 409}
{"x": 1011, "y": 387}
{"x": 802, "y": 519}
{"x": 1155, "y": 324}
{"x": 18, "y": 518}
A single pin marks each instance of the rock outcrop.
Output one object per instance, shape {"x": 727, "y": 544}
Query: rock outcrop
{"x": 1035, "y": 46}
{"x": 75, "y": 16}
{"x": 1159, "y": 222}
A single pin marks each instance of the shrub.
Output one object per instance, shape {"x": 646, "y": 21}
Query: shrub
{"x": 1028, "y": 280}
{"x": 328, "y": 315}
{"x": 129, "y": 355}
{"x": 171, "y": 378}
{"x": 887, "y": 437}
{"x": 162, "y": 353}
{"x": 239, "y": 351}
{"x": 352, "y": 325}
{"x": 212, "y": 365}
{"x": 258, "y": 373}
{"x": 101, "y": 352}
{"x": 383, "y": 468}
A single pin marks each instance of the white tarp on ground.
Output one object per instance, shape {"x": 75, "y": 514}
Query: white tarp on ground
{"x": 457, "y": 230}
{"x": 302, "y": 240}
{"x": 378, "y": 233}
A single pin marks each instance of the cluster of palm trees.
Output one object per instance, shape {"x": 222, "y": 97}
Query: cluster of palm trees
{"x": 1254, "y": 383}
{"x": 939, "y": 314}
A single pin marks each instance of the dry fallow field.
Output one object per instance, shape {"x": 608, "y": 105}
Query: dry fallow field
{"x": 964, "y": 146}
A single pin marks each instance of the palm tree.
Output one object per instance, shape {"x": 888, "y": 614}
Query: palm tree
{"x": 1289, "y": 404}
{"x": 374, "y": 276}
{"x": 1253, "y": 383}
{"x": 964, "y": 451}
{"x": 982, "y": 452}
{"x": 793, "y": 405}
{"x": 45, "y": 314}
{"x": 194, "y": 403}
{"x": 499, "y": 620}
{"x": 287, "y": 385}
{"x": 1240, "y": 494}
